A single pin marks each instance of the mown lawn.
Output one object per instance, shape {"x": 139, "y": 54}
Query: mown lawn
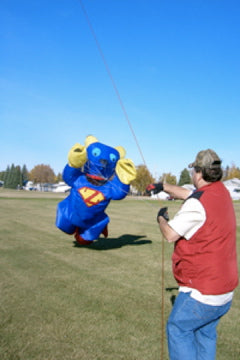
{"x": 60, "y": 301}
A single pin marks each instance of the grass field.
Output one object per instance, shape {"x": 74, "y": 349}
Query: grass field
{"x": 60, "y": 301}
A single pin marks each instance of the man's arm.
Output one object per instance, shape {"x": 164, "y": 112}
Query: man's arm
{"x": 169, "y": 234}
{"x": 185, "y": 223}
{"x": 177, "y": 192}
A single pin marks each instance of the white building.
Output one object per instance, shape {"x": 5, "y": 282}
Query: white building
{"x": 61, "y": 187}
{"x": 233, "y": 186}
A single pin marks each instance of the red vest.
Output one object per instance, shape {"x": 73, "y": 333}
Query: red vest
{"x": 208, "y": 261}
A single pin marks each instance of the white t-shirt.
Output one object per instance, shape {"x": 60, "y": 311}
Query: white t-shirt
{"x": 186, "y": 222}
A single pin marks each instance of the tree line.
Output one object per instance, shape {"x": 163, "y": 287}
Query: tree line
{"x": 16, "y": 176}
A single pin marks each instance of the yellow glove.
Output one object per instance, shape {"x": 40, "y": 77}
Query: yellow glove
{"x": 126, "y": 171}
{"x": 77, "y": 156}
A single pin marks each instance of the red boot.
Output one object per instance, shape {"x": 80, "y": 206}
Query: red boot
{"x": 105, "y": 231}
{"x": 80, "y": 240}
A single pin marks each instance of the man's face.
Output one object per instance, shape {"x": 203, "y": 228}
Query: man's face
{"x": 196, "y": 176}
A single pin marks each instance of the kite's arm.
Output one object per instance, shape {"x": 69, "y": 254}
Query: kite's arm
{"x": 77, "y": 156}
{"x": 126, "y": 171}
{"x": 71, "y": 174}
{"x": 118, "y": 189}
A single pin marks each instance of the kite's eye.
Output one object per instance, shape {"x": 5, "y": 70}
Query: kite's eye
{"x": 96, "y": 152}
{"x": 113, "y": 158}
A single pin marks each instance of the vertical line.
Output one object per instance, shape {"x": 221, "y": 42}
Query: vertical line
{"x": 163, "y": 329}
{"x": 111, "y": 78}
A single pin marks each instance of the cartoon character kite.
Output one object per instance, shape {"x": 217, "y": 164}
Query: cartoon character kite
{"x": 97, "y": 174}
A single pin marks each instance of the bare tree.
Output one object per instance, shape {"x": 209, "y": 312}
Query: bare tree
{"x": 42, "y": 174}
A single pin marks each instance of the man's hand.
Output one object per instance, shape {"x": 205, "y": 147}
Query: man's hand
{"x": 155, "y": 188}
{"x": 164, "y": 213}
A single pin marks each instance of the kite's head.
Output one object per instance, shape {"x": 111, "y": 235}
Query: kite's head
{"x": 101, "y": 159}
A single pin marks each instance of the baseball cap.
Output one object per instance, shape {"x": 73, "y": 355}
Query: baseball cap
{"x": 206, "y": 159}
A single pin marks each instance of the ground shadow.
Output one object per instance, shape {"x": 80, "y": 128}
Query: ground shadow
{"x": 115, "y": 243}
{"x": 173, "y": 296}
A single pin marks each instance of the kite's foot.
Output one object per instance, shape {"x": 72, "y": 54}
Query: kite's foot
{"x": 80, "y": 240}
{"x": 105, "y": 231}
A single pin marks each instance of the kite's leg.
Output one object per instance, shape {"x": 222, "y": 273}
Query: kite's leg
{"x": 80, "y": 240}
{"x": 93, "y": 232}
{"x": 105, "y": 231}
{"x": 62, "y": 221}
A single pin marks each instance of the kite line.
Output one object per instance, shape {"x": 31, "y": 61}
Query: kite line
{"x": 138, "y": 146}
{"x": 111, "y": 78}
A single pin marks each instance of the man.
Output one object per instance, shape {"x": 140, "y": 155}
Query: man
{"x": 204, "y": 260}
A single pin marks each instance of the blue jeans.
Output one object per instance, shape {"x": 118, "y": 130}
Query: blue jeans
{"x": 191, "y": 329}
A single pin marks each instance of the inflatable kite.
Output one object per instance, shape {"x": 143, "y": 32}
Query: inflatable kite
{"x": 97, "y": 174}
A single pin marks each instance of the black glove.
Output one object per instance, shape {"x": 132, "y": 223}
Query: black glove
{"x": 155, "y": 188}
{"x": 164, "y": 213}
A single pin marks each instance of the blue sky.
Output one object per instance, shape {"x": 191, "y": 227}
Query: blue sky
{"x": 176, "y": 65}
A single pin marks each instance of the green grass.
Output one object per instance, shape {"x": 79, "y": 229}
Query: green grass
{"x": 60, "y": 301}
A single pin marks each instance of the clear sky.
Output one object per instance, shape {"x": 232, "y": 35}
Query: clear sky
{"x": 176, "y": 65}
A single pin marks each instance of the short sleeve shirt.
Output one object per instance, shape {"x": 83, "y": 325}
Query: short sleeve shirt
{"x": 189, "y": 218}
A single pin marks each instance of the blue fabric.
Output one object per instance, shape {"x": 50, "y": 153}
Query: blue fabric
{"x": 191, "y": 328}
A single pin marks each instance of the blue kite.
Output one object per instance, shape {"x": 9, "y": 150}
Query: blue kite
{"x": 97, "y": 174}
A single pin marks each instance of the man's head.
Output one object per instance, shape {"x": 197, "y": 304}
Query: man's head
{"x": 208, "y": 163}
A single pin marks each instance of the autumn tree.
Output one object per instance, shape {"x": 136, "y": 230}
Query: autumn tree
{"x": 231, "y": 172}
{"x": 143, "y": 178}
{"x": 168, "y": 178}
{"x": 185, "y": 178}
{"x": 42, "y": 174}
{"x": 58, "y": 178}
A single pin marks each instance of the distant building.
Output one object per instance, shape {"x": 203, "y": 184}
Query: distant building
{"x": 61, "y": 187}
{"x": 233, "y": 186}
{"x": 29, "y": 186}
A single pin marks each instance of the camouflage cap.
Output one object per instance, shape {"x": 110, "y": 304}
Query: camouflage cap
{"x": 206, "y": 159}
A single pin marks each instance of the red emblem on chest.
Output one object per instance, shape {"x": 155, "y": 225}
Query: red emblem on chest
{"x": 90, "y": 196}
